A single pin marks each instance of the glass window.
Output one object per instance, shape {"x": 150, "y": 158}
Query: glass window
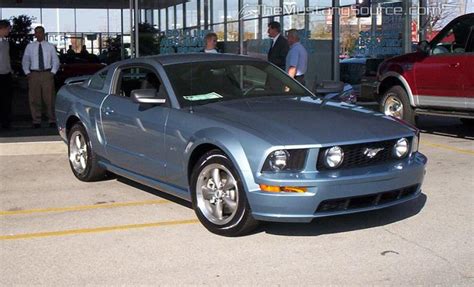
{"x": 179, "y": 16}
{"x": 191, "y": 13}
{"x": 232, "y": 10}
{"x": 137, "y": 79}
{"x": 171, "y": 17}
{"x": 98, "y": 15}
{"x": 162, "y": 19}
{"x": 98, "y": 80}
{"x": 233, "y": 31}
{"x": 250, "y": 29}
{"x": 208, "y": 82}
{"x": 219, "y": 30}
{"x": 320, "y": 27}
{"x": 293, "y": 22}
{"x": 218, "y": 11}
{"x": 454, "y": 39}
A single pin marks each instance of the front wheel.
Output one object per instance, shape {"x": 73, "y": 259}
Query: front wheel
{"x": 219, "y": 198}
{"x": 395, "y": 103}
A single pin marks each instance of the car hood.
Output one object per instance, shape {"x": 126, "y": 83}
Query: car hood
{"x": 304, "y": 120}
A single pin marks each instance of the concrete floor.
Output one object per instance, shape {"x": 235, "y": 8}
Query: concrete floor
{"x": 55, "y": 230}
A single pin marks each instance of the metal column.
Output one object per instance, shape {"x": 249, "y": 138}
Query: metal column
{"x": 406, "y": 26}
{"x": 335, "y": 40}
{"x": 132, "y": 40}
{"x": 241, "y": 29}
{"x": 137, "y": 42}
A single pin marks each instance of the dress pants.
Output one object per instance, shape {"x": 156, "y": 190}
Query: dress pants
{"x": 41, "y": 88}
{"x": 6, "y": 97}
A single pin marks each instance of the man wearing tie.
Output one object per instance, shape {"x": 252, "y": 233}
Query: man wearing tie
{"x": 40, "y": 64}
{"x": 279, "y": 49}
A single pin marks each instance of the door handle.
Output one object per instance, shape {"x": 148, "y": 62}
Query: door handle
{"x": 108, "y": 111}
{"x": 456, "y": 65}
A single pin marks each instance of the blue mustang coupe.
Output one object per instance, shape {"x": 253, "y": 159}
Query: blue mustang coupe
{"x": 238, "y": 138}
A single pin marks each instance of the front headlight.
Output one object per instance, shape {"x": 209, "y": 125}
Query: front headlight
{"x": 285, "y": 160}
{"x": 401, "y": 148}
{"x": 333, "y": 157}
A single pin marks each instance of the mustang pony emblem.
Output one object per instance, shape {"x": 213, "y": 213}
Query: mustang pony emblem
{"x": 372, "y": 152}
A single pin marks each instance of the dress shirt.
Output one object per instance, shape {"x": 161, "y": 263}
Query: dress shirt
{"x": 31, "y": 58}
{"x": 275, "y": 39}
{"x": 297, "y": 57}
{"x": 5, "y": 66}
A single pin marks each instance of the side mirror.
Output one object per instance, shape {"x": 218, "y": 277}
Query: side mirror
{"x": 146, "y": 96}
{"x": 329, "y": 87}
{"x": 423, "y": 46}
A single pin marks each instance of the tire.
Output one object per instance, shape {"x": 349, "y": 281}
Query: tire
{"x": 82, "y": 159}
{"x": 223, "y": 211}
{"x": 395, "y": 102}
{"x": 468, "y": 122}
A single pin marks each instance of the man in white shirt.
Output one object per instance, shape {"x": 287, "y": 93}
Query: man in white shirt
{"x": 5, "y": 75}
{"x": 297, "y": 58}
{"x": 40, "y": 64}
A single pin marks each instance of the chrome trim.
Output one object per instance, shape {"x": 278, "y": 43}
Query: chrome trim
{"x": 413, "y": 98}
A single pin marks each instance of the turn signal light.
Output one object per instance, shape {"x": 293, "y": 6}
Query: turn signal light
{"x": 271, "y": 188}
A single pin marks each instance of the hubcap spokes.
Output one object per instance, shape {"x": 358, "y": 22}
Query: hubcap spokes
{"x": 217, "y": 194}
{"x": 78, "y": 152}
{"x": 393, "y": 107}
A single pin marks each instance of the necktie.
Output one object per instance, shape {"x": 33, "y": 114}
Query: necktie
{"x": 40, "y": 58}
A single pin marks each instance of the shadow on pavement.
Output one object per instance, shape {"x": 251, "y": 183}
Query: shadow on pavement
{"x": 346, "y": 223}
{"x": 449, "y": 127}
{"x": 153, "y": 191}
{"x": 319, "y": 226}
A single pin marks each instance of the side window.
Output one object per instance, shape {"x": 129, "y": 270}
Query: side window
{"x": 136, "y": 79}
{"x": 455, "y": 39}
{"x": 98, "y": 80}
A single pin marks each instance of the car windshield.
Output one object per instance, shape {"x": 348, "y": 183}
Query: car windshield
{"x": 207, "y": 82}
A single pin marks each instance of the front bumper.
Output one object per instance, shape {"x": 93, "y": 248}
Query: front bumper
{"x": 338, "y": 192}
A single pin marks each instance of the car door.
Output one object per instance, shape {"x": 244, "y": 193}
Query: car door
{"x": 134, "y": 133}
{"x": 440, "y": 76}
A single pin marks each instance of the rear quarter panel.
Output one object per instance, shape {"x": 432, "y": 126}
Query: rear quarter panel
{"x": 83, "y": 103}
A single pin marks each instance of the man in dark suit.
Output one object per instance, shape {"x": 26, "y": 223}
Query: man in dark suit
{"x": 279, "y": 49}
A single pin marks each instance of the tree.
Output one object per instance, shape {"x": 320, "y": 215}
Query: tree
{"x": 149, "y": 39}
{"x": 20, "y": 36}
{"x": 440, "y": 13}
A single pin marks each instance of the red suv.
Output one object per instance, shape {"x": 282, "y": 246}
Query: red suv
{"x": 438, "y": 79}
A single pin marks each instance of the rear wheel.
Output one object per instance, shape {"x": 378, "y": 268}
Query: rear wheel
{"x": 218, "y": 196}
{"x": 395, "y": 103}
{"x": 82, "y": 159}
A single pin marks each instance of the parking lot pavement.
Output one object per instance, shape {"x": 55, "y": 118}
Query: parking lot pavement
{"x": 55, "y": 230}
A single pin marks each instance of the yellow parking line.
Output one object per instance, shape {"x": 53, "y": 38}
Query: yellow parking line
{"x": 464, "y": 151}
{"x": 96, "y": 230}
{"x": 83, "y": 207}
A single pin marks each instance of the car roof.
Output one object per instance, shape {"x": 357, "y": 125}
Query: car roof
{"x": 171, "y": 59}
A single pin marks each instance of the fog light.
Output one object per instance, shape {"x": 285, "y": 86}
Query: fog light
{"x": 333, "y": 157}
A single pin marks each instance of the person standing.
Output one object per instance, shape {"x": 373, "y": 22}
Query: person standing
{"x": 40, "y": 64}
{"x": 297, "y": 59}
{"x": 279, "y": 49}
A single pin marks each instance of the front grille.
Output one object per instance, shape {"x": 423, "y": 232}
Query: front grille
{"x": 354, "y": 154}
{"x": 350, "y": 203}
